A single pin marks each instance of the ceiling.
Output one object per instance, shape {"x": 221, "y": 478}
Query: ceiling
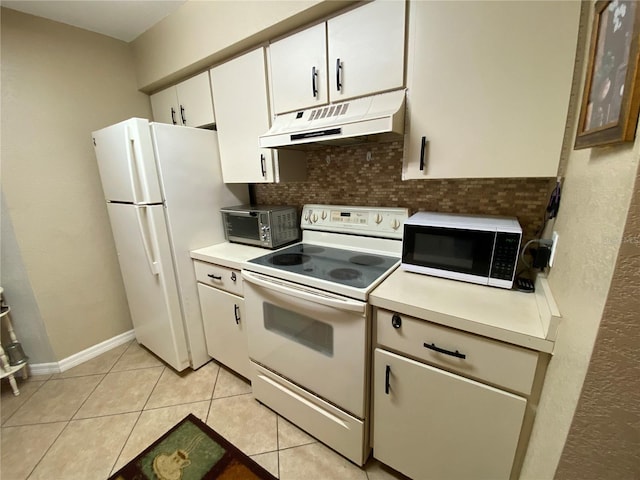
{"x": 121, "y": 19}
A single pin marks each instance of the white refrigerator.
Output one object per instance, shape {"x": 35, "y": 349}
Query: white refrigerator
{"x": 163, "y": 187}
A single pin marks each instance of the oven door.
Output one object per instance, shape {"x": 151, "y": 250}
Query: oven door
{"x": 448, "y": 252}
{"x": 242, "y": 227}
{"x": 313, "y": 338}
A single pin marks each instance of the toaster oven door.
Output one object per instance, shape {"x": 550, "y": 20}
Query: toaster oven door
{"x": 243, "y": 227}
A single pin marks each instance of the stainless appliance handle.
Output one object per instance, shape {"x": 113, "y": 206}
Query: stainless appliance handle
{"x": 240, "y": 213}
{"x": 322, "y": 298}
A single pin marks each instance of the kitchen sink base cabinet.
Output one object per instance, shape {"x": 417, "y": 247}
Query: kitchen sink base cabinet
{"x": 430, "y": 423}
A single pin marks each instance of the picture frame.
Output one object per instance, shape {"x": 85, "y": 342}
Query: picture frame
{"x": 611, "y": 96}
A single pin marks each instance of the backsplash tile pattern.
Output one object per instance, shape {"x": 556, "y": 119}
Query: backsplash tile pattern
{"x": 348, "y": 178}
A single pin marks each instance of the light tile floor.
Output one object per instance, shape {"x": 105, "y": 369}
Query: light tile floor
{"x": 89, "y": 421}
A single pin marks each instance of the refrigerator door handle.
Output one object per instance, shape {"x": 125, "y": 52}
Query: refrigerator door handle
{"x": 133, "y": 177}
{"x": 139, "y": 174}
{"x": 144, "y": 234}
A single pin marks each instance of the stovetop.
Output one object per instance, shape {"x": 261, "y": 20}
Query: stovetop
{"x": 341, "y": 266}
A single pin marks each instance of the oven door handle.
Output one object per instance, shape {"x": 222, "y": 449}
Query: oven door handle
{"x": 327, "y": 299}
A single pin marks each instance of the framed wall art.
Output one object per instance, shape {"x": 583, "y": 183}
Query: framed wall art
{"x": 611, "y": 97}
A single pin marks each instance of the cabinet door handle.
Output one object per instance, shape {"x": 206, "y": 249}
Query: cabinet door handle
{"x": 423, "y": 147}
{"x": 214, "y": 277}
{"x": 184, "y": 120}
{"x": 314, "y": 87}
{"x": 263, "y": 165}
{"x": 173, "y": 116}
{"x": 456, "y": 354}
{"x": 233, "y": 276}
{"x": 236, "y": 313}
{"x": 387, "y": 375}
{"x": 338, "y": 75}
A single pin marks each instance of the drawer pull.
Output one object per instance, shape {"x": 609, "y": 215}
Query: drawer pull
{"x": 396, "y": 321}
{"x": 214, "y": 277}
{"x": 387, "y": 384}
{"x": 442, "y": 350}
{"x": 233, "y": 276}
{"x": 236, "y": 313}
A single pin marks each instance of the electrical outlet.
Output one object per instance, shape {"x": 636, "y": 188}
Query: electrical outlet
{"x": 554, "y": 245}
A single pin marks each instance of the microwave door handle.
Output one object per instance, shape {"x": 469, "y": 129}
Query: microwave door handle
{"x": 339, "y": 303}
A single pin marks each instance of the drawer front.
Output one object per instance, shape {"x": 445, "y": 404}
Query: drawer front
{"x": 217, "y": 276}
{"x": 471, "y": 355}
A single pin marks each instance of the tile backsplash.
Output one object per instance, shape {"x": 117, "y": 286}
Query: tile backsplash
{"x": 344, "y": 176}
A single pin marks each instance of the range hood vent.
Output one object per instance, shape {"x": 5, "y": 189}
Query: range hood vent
{"x": 375, "y": 118}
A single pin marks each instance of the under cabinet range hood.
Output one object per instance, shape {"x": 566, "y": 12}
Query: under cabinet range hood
{"x": 375, "y": 118}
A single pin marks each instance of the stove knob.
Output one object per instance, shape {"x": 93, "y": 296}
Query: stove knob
{"x": 306, "y": 216}
{"x": 324, "y": 215}
{"x": 378, "y": 219}
{"x": 395, "y": 224}
{"x": 315, "y": 218}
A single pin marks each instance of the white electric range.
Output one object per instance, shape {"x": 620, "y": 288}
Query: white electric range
{"x": 309, "y": 323}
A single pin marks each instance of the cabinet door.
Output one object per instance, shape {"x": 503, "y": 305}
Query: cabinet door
{"x": 490, "y": 96}
{"x": 164, "y": 106}
{"x": 224, "y": 328}
{"x": 299, "y": 70}
{"x": 366, "y": 50}
{"x": 195, "y": 102}
{"x": 240, "y": 101}
{"x": 429, "y": 423}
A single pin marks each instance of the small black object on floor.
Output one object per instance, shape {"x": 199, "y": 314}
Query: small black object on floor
{"x": 523, "y": 284}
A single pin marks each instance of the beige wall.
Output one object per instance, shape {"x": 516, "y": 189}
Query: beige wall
{"x": 596, "y": 196}
{"x": 60, "y": 83}
{"x": 604, "y": 440}
{"x": 202, "y": 33}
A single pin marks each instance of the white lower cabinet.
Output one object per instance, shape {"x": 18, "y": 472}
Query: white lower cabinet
{"x": 224, "y": 325}
{"x": 449, "y": 404}
{"x": 432, "y": 424}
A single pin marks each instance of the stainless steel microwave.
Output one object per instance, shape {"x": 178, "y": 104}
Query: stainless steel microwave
{"x": 261, "y": 225}
{"x": 470, "y": 248}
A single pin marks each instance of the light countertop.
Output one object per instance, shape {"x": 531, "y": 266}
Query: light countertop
{"x": 227, "y": 254}
{"x": 526, "y": 319}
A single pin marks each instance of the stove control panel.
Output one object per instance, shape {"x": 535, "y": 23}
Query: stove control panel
{"x": 370, "y": 221}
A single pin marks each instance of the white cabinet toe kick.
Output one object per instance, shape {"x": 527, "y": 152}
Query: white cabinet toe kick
{"x": 335, "y": 428}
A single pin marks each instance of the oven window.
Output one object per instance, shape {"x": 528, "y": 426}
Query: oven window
{"x": 301, "y": 329}
{"x": 243, "y": 227}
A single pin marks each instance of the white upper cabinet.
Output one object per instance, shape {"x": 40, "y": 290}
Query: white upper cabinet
{"x": 366, "y": 50}
{"x": 242, "y": 111}
{"x": 488, "y": 88}
{"x": 188, "y": 103}
{"x": 365, "y": 55}
{"x": 299, "y": 70}
{"x": 164, "y": 106}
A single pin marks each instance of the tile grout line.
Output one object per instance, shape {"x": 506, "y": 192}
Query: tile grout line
{"x": 113, "y": 466}
{"x": 146, "y": 402}
{"x": 215, "y": 382}
{"x": 277, "y": 441}
{"x": 48, "y": 449}
{"x": 17, "y": 409}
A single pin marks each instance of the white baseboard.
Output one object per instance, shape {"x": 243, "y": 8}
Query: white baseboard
{"x": 81, "y": 357}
